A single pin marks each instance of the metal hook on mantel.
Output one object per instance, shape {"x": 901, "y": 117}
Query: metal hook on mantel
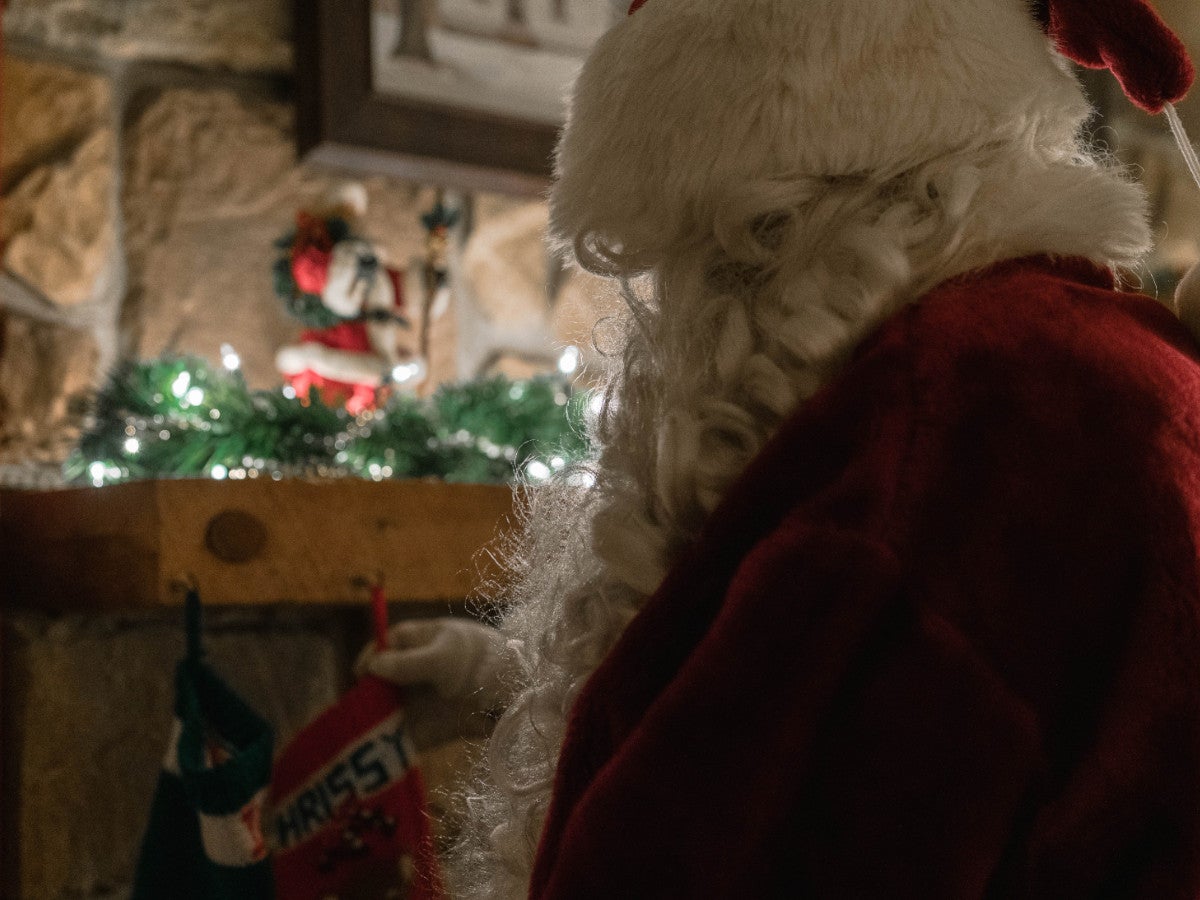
{"x": 193, "y": 613}
{"x": 379, "y": 606}
{"x": 365, "y": 582}
{"x": 182, "y": 585}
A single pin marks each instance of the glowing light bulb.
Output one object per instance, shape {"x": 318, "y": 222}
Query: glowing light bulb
{"x": 408, "y": 371}
{"x": 132, "y": 445}
{"x": 569, "y": 361}
{"x": 219, "y": 472}
{"x": 289, "y": 392}
{"x": 180, "y": 385}
{"x": 229, "y": 358}
{"x": 537, "y": 470}
{"x": 96, "y": 470}
{"x": 195, "y": 396}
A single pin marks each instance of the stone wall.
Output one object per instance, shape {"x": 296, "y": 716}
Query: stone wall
{"x": 248, "y": 35}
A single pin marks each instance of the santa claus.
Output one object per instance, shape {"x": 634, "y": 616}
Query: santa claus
{"x": 885, "y": 581}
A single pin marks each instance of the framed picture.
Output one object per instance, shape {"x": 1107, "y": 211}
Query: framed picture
{"x": 465, "y": 93}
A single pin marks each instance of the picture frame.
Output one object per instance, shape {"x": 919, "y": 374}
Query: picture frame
{"x": 347, "y": 119}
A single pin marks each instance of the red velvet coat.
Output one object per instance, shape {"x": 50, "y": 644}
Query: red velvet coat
{"x": 942, "y": 640}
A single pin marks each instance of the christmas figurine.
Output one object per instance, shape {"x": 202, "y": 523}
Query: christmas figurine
{"x": 884, "y": 582}
{"x": 354, "y": 304}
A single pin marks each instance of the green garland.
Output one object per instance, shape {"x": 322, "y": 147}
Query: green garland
{"x": 181, "y": 417}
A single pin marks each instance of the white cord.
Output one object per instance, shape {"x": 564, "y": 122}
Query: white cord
{"x": 1185, "y": 145}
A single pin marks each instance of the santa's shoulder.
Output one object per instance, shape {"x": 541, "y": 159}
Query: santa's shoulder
{"x": 1032, "y": 385}
{"x": 1049, "y": 325}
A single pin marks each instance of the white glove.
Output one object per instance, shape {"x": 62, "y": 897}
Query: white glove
{"x": 460, "y": 658}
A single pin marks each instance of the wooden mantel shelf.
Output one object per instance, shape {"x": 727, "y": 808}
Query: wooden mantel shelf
{"x": 246, "y": 542}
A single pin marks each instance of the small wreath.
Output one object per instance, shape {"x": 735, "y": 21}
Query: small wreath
{"x": 303, "y": 264}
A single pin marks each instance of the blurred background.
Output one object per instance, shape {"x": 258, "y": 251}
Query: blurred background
{"x": 152, "y": 184}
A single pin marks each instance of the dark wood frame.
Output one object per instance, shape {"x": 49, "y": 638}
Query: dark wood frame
{"x": 343, "y": 121}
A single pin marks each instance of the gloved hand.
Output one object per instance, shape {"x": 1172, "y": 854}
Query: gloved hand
{"x": 460, "y": 658}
